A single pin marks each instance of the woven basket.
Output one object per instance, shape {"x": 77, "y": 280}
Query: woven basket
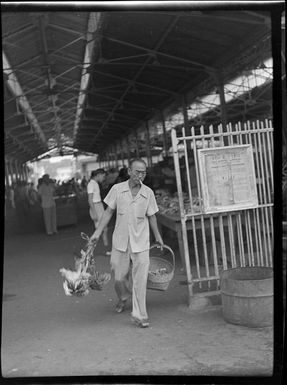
{"x": 157, "y": 261}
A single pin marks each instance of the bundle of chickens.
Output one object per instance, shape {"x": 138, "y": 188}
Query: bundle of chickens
{"x": 85, "y": 276}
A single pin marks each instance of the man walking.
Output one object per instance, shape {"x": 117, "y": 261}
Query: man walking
{"x": 46, "y": 192}
{"x": 96, "y": 204}
{"x": 136, "y": 208}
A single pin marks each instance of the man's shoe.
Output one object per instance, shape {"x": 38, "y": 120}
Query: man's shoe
{"x": 107, "y": 252}
{"x": 140, "y": 323}
{"x": 120, "y": 307}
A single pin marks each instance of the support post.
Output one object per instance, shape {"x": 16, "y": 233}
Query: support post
{"x": 16, "y": 170}
{"x": 182, "y": 217}
{"x": 6, "y": 173}
{"x": 108, "y": 160}
{"x": 164, "y": 136}
{"x": 27, "y": 172}
{"x": 22, "y": 171}
{"x": 128, "y": 150}
{"x": 187, "y": 131}
{"x": 148, "y": 150}
{"x": 137, "y": 144}
{"x": 116, "y": 155}
{"x": 220, "y": 87}
{"x": 12, "y": 171}
{"x": 122, "y": 153}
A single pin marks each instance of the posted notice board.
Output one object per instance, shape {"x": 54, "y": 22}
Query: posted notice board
{"x": 227, "y": 177}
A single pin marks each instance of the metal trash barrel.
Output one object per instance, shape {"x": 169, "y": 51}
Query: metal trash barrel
{"x": 247, "y": 296}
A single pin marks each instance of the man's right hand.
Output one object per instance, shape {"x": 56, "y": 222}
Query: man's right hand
{"x": 96, "y": 236}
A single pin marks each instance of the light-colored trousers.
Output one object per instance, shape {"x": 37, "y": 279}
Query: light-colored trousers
{"x": 50, "y": 219}
{"x": 120, "y": 264}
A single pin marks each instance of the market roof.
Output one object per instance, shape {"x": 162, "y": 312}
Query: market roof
{"x": 88, "y": 79}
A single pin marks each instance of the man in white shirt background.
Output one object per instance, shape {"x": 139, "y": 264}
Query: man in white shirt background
{"x": 96, "y": 204}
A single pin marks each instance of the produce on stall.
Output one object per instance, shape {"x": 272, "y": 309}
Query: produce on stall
{"x": 169, "y": 203}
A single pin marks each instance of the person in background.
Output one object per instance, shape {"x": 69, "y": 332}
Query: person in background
{"x": 40, "y": 181}
{"x": 96, "y": 204}
{"x": 136, "y": 207}
{"x": 84, "y": 183}
{"x": 46, "y": 192}
{"x": 123, "y": 175}
{"x": 32, "y": 194}
{"x": 111, "y": 177}
{"x": 22, "y": 200}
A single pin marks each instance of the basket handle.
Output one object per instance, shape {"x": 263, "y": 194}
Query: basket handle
{"x": 165, "y": 247}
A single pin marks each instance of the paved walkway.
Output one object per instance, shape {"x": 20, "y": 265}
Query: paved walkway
{"x": 45, "y": 333}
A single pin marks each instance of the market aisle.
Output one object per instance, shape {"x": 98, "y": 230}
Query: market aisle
{"x": 45, "y": 333}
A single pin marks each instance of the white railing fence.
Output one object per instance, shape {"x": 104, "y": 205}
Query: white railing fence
{"x": 225, "y": 239}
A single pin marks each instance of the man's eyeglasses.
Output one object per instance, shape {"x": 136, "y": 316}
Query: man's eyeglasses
{"x": 140, "y": 172}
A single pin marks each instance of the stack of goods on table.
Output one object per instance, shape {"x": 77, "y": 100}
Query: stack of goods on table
{"x": 169, "y": 203}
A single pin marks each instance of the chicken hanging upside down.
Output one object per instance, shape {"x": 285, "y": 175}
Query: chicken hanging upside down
{"x": 85, "y": 277}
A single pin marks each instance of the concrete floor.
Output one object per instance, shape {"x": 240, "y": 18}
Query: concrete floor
{"x": 45, "y": 333}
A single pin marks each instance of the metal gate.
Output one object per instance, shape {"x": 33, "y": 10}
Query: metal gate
{"x": 213, "y": 242}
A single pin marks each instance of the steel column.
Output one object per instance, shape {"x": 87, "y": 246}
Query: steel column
{"x": 148, "y": 149}
{"x": 17, "y": 91}
{"x": 116, "y": 155}
{"x": 26, "y": 172}
{"x": 122, "y": 149}
{"x": 137, "y": 144}
{"x": 16, "y": 170}
{"x": 182, "y": 217}
{"x": 220, "y": 87}
{"x": 187, "y": 130}
{"x": 11, "y": 170}
{"x": 93, "y": 24}
{"x": 108, "y": 160}
{"x": 128, "y": 150}
{"x": 6, "y": 173}
{"x": 164, "y": 136}
{"x": 21, "y": 172}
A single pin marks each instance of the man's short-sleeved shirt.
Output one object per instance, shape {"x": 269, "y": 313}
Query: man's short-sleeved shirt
{"x": 132, "y": 216}
{"x": 93, "y": 188}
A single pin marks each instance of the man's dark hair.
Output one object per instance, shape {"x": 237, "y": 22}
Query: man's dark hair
{"x": 136, "y": 160}
{"x": 97, "y": 172}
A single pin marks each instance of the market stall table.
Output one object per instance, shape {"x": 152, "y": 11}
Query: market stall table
{"x": 173, "y": 222}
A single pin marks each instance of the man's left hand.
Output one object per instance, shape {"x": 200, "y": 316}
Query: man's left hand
{"x": 160, "y": 242}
